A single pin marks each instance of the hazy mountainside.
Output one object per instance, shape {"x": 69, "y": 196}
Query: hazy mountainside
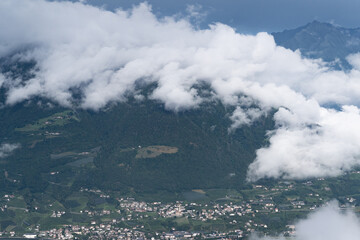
{"x": 322, "y": 40}
{"x": 132, "y": 145}
{"x": 138, "y": 146}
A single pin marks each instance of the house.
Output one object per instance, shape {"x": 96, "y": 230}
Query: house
{"x": 30, "y": 235}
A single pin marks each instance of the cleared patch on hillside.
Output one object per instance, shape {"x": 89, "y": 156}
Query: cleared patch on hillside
{"x": 199, "y": 191}
{"x": 57, "y": 119}
{"x": 62, "y": 155}
{"x": 154, "y": 151}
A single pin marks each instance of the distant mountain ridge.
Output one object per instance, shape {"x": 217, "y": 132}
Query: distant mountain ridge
{"x": 322, "y": 40}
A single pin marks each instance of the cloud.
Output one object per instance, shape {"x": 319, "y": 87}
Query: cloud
{"x": 2, "y": 79}
{"x": 327, "y": 223}
{"x": 326, "y": 149}
{"x": 106, "y": 55}
{"x": 196, "y": 13}
{"x": 246, "y": 116}
{"x": 6, "y": 149}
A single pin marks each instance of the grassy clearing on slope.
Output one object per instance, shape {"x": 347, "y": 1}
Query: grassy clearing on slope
{"x": 57, "y": 119}
{"x": 154, "y": 151}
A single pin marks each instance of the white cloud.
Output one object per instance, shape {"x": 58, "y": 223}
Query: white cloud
{"x": 6, "y": 149}
{"x": 105, "y": 54}
{"x": 108, "y": 52}
{"x": 327, "y": 223}
{"x": 326, "y": 149}
{"x": 196, "y": 13}
{"x": 246, "y": 116}
{"x": 2, "y": 79}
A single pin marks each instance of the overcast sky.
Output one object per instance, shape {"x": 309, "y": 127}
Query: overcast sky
{"x": 252, "y": 16}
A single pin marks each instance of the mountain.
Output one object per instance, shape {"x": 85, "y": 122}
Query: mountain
{"x": 138, "y": 146}
{"x": 132, "y": 146}
{"x": 322, "y": 40}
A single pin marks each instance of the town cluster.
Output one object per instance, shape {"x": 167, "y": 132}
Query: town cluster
{"x": 130, "y": 218}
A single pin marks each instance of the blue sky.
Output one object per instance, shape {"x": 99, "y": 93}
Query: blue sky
{"x": 251, "y": 16}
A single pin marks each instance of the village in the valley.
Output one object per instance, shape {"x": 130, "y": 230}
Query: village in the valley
{"x": 260, "y": 210}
